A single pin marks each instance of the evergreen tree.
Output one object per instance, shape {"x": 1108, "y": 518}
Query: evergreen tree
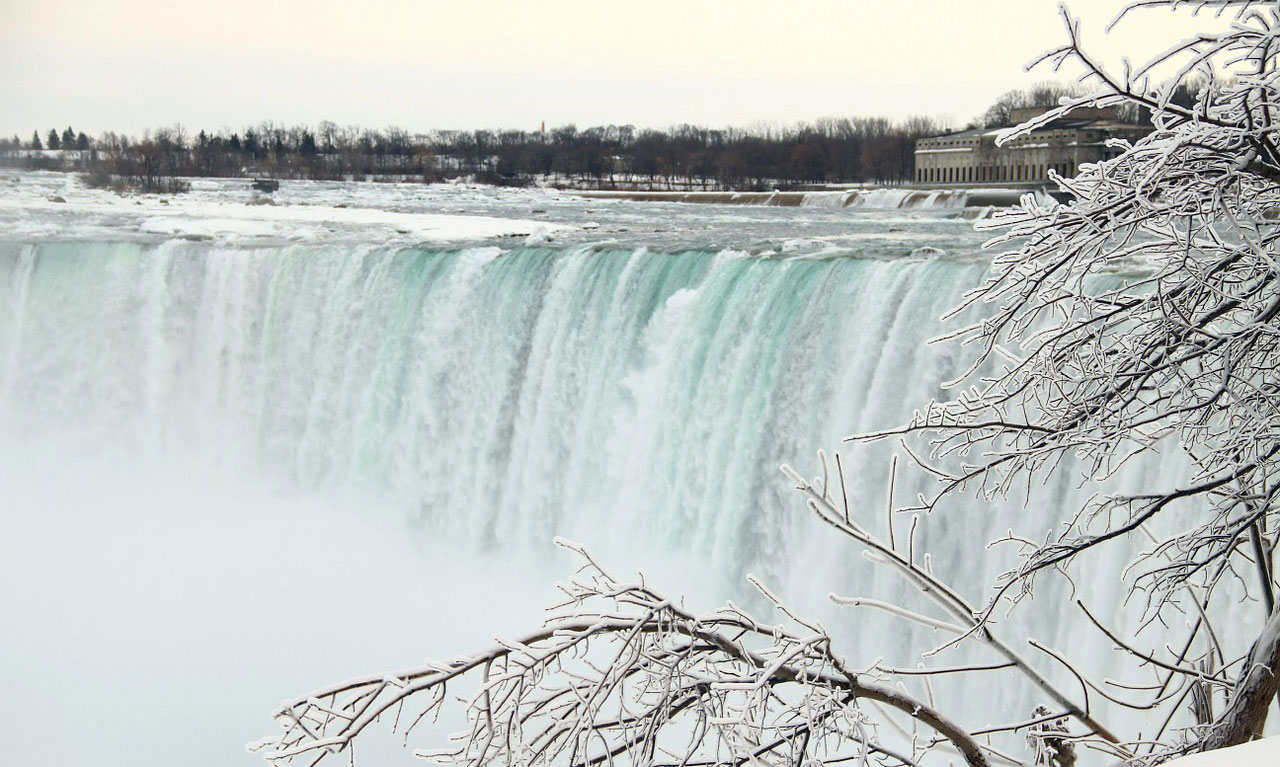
{"x": 82, "y": 141}
{"x": 307, "y": 146}
{"x": 53, "y": 141}
{"x": 35, "y": 140}
{"x": 68, "y": 137}
{"x": 250, "y": 142}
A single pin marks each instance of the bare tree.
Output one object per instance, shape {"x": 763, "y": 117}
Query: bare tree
{"x": 1175, "y": 351}
{"x": 1045, "y": 95}
{"x": 1182, "y": 356}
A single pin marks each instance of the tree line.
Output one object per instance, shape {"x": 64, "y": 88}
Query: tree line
{"x": 830, "y": 150}
{"x": 824, "y": 151}
{"x": 67, "y": 139}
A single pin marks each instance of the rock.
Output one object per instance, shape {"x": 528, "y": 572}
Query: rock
{"x": 55, "y": 198}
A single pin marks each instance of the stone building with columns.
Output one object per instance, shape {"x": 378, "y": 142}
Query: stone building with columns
{"x": 971, "y": 157}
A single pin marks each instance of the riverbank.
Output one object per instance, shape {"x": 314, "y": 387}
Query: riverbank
{"x": 869, "y": 197}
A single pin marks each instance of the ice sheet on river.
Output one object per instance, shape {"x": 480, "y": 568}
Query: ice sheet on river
{"x": 229, "y": 210}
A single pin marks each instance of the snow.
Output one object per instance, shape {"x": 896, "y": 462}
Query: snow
{"x": 177, "y": 226}
{"x": 882, "y": 198}
{"x": 541, "y": 235}
{"x": 827, "y": 199}
{"x": 225, "y": 210}
{"x": 1259, "y": 752}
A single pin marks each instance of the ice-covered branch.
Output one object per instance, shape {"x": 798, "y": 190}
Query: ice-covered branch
{"x": 620, "y": 674}
{"x": 1138, "y": 314}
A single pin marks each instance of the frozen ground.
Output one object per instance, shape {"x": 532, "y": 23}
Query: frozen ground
{"x": 37, "y": 204}
{"x": 406, "y": 214}
{"x": 1259, "y": 753}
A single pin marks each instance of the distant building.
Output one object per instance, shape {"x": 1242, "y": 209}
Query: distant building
{"x": 971, "y": 157}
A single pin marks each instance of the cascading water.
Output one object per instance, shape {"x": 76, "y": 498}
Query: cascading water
{"x": 489, "y": 397}
{"x": 595, "y": 392}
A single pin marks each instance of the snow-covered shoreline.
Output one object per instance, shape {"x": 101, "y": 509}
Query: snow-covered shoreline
{"x": 44, "y": 205}
{"x": 1258, "y": 752}
{"x": 230, "y": 211}
{"x": 877, "y": 198}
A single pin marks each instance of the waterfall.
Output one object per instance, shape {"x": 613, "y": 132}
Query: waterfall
{"x": 491, "y": 398}
{"x": 592, "y": 390}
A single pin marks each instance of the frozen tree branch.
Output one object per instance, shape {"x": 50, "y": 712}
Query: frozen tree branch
{"x": 619, "y": 674}
{"x": 1141, "y": 316}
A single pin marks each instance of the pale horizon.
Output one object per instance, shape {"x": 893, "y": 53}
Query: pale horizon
{"x": 499, "y": 64}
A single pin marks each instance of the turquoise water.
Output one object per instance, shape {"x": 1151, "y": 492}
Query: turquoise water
{"x": 649, "y": 394}
{"x": 226, "y": 451}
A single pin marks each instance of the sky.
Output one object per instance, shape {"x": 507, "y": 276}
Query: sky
{"x": 430, "y": 64}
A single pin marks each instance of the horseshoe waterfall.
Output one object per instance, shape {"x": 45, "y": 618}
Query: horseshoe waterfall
{"x": 281, "y": 457}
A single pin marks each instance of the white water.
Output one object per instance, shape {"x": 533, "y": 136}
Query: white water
{"x": 232, "y": 473}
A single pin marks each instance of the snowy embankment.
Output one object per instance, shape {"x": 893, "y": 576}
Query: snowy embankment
{"x": 875, "y": 199}
{"x": 228, "y": 210}
{"x": 223, "y": 220}
{"x": 1259, "y": 752}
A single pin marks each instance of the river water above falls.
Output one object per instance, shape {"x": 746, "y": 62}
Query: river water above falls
{"x": 250, "y": 449}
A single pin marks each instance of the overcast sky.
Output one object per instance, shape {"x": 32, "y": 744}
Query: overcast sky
{"x": 421, "y": 64}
